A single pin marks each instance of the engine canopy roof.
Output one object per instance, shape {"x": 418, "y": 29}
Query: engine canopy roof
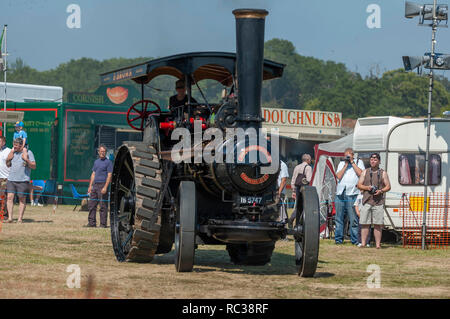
{"x": 219, "y": 66}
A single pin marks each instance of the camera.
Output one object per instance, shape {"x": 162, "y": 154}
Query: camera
{"x": 348, "y": 159}
{"x": 373, "y": 189}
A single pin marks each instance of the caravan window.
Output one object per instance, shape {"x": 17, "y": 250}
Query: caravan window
{"x": 411, "y": 169}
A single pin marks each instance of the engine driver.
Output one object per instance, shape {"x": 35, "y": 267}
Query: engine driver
{"x": 180, "y": 98}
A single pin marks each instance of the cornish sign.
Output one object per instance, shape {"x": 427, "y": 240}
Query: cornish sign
{"x": 107, "y": 95}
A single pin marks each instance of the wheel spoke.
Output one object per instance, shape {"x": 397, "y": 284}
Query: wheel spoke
{"x": 125, "y": 163}
{"x": 136, "y": 118}
{"x": 130, "y": 234}
{"x": 135, "y": 109}
{"x": 143, "y": 109}
{"x": 123, "y": 188}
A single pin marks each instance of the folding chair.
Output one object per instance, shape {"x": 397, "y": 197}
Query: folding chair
{"x": 38, "y": 188}
{"x": 49, "y": 189}
{"x": 77, "y": 195}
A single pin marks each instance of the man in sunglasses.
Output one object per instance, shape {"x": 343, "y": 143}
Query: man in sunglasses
{"x": 374, "y": 182}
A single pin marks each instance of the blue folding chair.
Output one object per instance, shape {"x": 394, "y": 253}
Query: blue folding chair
{"x": 38, "y": 187}
{"x": 50, "y": 189}
{"x": 77, "y": 195}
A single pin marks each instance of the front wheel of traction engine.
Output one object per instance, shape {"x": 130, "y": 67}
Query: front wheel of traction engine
{"x": 308, "y": 222}
{"x": 186, "y": 211}
{"x": 135, "y": 189}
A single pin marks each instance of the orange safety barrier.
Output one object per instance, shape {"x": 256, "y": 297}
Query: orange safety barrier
{"x": 437, "y": 223}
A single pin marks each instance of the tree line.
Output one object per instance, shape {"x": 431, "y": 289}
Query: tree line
{"x": 307, "y": 83}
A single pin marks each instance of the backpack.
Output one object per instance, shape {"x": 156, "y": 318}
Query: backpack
{"x": 301, "y": 179}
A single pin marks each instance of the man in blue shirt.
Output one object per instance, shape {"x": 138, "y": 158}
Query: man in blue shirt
{"x": 348, "y": 173}
{"x": 98, "y": 188}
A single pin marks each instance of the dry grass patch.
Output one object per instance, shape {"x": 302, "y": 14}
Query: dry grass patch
{"x": 34, "y": 257}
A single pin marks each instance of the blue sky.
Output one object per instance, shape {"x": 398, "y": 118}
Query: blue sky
{"x": 326, "y": 29}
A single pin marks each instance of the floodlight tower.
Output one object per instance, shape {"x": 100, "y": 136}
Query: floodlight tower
{"x": 436, "y": 13}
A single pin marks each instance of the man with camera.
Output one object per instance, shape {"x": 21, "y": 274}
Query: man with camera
{"x": 348, "y": 173}
{"x": 374, "y": 182}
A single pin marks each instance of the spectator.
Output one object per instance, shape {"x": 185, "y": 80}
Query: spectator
{"x": 4, "y": 171}
{"x": 282, "y": 181}
{"x": 302, "y": 172}
{"x": 20, "y": 132}
{"x": 301, "y": 176}
{"x": 374, "y": 182}
{"x": 348, "y": 173}
{"x": 358, "y": 205}
{"x": 98, "y": 188}
{"x": 21, "y": 161}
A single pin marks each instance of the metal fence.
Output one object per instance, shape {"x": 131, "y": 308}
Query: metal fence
{"x": 437, "y": 216}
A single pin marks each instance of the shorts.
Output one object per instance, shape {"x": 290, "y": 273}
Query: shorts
{"x": 371, "y": 215}
{"x": 20, "y": 188}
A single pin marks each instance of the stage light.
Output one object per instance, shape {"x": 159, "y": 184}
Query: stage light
{"x": 412, "y": 62}
{"x": 412, "y": 9}
{"x": 440, "y": 62}
{"x": 441, "y": 12}
{"x": 425, "y": 11}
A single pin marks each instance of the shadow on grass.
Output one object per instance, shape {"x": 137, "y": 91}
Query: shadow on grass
{"x": 30, "y": 220}
{"x": 323, "y": 275}
{"x": 218, "y": 260}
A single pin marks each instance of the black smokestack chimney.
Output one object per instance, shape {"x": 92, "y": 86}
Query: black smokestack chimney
{"x": 250, "y": 59}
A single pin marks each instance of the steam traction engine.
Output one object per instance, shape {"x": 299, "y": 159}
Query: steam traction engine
{"x": 157, "y": 202}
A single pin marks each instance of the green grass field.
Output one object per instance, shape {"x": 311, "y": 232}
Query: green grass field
{"x": 34, "y": 257}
